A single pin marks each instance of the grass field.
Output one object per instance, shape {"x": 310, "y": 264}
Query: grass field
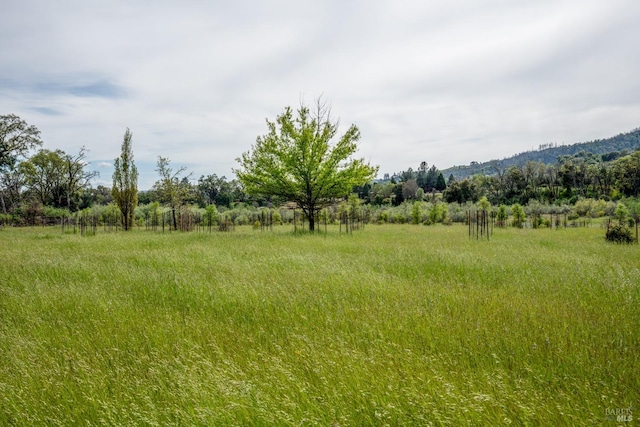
{"x": 397, "y": 325}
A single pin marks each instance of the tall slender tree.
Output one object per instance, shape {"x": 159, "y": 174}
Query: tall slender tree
{"x": 125, "y": 182}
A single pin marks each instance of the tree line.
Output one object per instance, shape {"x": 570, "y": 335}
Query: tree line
{"x": 583, "y": 175}
{"x": 294, "y": 162}
{"x": 610, "y": 148}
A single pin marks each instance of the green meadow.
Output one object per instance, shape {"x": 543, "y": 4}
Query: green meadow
{"x": 391, "y": 325}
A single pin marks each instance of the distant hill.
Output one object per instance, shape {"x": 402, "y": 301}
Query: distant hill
{"x": 549, "y": 153}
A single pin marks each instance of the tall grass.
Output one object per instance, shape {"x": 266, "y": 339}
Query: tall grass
{"x": 398, "y": 325}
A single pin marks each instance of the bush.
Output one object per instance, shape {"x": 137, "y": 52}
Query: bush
{"x": 538, "y": 222}
{"x": 276, "y": 218}
{"x": 518, "y": 215}
{"x": 456, "y": 213}
{"x": 599, "y": 208}
{"x": 610, "y": 209}
{"x": 438, "y": 212}
{"x": 622, "y": 213}
{"x": 583, "y": 207}
{"x": 241, "y": 219}
{"x": 5, "y": 219}
{"x": 225, "y": 224}
{"x": 416, "y": 212}
{"x": 619, "y": 233}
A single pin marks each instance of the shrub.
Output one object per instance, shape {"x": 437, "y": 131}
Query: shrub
{"x": 241, "y": 219}
{"x": 610, "y": 209}
{"x": 621, "y": 212}
{"x": 598, "y": 210}
{"x": 276, "y": 218}
{"x": 438, "y": 213}
{"x": 518, "y": 215}
{"x": 211, "y": 215}
{"x": 502, "y": 216}
{"x": 619, "y": 233}
{"x": 416, "y": 212}
{"x": 225, "y": 224}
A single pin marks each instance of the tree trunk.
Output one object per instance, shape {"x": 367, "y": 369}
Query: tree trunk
{"x": 4, "y": 207}
{"x": 175, "y": 222}
{"x": 312, "y": 221}
{"x": 125, "y": 219}
{"x": 310, "y": 212}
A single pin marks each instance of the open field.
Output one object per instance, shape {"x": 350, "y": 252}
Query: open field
{"x": 398, "y": 325}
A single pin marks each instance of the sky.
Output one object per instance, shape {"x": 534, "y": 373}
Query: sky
{"x": 446, "y": 82}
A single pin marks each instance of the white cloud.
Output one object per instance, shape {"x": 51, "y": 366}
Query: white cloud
{"x": 445, "y": 82}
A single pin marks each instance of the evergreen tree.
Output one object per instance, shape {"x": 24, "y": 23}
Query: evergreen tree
{"x": 441, "y": 185}
{"x": 125, "y": 183}
{"x": 431, "y": 178}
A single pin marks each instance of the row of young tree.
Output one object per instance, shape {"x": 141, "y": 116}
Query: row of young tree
{"x": 348, "y": 214}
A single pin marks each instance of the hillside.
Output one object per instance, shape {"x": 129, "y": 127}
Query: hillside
{"x": 623, "y": 142}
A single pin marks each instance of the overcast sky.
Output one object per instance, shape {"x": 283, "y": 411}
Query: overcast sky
{"x": 447, "y": 82}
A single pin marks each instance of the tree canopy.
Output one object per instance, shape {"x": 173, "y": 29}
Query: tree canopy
{"x": 16, "y": 139}
{"x": 56, "y": 178}
{"x": 296, "y": 160}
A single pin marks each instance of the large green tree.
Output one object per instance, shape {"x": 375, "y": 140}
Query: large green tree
{"x": 296, "y": 160}
{"x": 627, "y": 174}
{"x": 125, "y": 182}
{"x": 56, "y": 178}
{"x": 44, "y": 175}
{"x": 16, "y": 139}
